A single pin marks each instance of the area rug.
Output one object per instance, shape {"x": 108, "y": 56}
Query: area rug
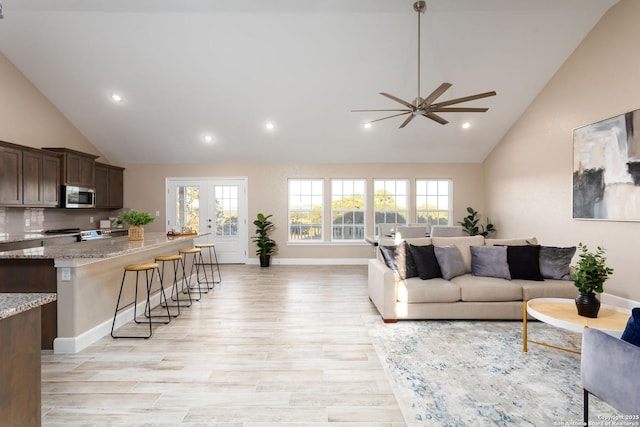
{"x": 474, "y": 373}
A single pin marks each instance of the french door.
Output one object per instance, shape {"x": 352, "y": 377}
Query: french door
{"x": 217, "y": 206}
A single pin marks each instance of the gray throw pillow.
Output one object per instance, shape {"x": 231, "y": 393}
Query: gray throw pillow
{"x": 450, "y": 261}
{"x": 490, "y": 261}
{"x": 555, "y": 262}
{"x": 397, "y": 258}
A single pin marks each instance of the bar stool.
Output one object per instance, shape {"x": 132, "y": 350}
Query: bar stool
{"x": 212, "y": 255}
{"x": 147, "y": 267}
{"x": 197, "y": 253}
{"x": 176, "y": 261}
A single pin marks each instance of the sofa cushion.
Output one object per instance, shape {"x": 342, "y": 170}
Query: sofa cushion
{"x": 419, "y": 241}
{"x": 435, "y": 290}
{"x": 549, "y": 288}
{"x": 450, "y": 261}
{"x": 479, "y": 288}
{"x": 524, "y": 262}
{"x": 511, "y": 242}
{"x": 397, "y": 258}
{"x": 555, "y": 262}
{"x": 631, "y": 333}
{"x": 463, "y": 244}
{"x": 424, "y": 258}
{"x": 490, "y": 261}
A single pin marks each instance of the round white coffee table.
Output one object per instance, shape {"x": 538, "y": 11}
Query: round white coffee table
{"x": 562, "y": 313}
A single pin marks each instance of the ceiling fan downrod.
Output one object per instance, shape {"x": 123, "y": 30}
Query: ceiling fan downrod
{"x": 420, "y": 7}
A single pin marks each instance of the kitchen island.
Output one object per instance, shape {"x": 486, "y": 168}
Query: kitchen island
{"x": 20, "y": 371}
{"x": 87, "y": 279}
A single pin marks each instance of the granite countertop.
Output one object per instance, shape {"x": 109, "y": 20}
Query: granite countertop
{"x": 94, "y": 249}
{"x": 12, "y": 304}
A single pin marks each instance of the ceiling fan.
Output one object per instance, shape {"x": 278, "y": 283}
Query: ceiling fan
{"x": 426, "y": 106}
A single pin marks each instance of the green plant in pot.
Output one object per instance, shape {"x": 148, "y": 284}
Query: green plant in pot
{"x": 136, "y": 221}
{"x": 471, "y": 226}
{"x": 589, "y": 275}
{"x": 266, "y": 245}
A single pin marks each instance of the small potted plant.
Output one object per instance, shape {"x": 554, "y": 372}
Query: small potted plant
{"x": 136, "y": 220}
{"x": 266, "y": 245}
{"x": 589, "y": 276}
{"x": 470, "y": 224}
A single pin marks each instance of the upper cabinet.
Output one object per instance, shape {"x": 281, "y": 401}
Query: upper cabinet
{"x": 28, "y": 176}
{"x": 77, "y": 168}
{"x": 109, "y": 186}
{"x": 10, "y": 174}
{"x": 40, "y": 178}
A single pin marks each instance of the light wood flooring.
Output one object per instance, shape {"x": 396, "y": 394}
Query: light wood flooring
{"x": 279, "y": 346}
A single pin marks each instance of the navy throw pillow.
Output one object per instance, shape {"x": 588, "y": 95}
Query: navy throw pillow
{"x": 424, "y": 258}
{"x": 631, "y": 333}
{"x": 524, "y": 262}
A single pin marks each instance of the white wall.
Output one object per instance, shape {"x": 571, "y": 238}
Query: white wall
{"x": 528, "y": 176}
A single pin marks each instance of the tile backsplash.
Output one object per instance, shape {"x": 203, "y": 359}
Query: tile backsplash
{"x": 35, "y": 220}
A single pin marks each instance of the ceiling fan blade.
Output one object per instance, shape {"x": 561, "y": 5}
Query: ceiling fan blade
{"x": 458, "y": 110}
{"x": 401, "y": 101}
{"x": 435, "y": 94}
{"x": 406, "y": 122}
{"x": 366, "y": 111}
{"x": 464, "y": 99}
{"x": 388, "y": 117}
{"x": 436, "y": 118}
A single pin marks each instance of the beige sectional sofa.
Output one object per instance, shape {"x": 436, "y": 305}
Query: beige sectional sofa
{"x": 466, "y": 296}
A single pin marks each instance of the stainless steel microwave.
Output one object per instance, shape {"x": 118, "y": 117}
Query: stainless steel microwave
{"x": 78, "y": 197}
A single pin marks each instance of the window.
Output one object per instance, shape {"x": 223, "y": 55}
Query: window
{"x": 433, "y": 201}
{"x": 226, "y": 208}
{"x": 347, "y": 209}
{"x": 305, "y": 209}
{"x": 390, "y": 201}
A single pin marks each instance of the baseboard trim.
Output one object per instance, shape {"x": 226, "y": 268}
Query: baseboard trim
{"x": 72, "y": 345}
{"x": 312, "y": 261}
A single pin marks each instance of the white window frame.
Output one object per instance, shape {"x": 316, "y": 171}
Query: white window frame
{"x": 341, "y": 193}
{"x": 391, "y": 186}
{"x": 310, "y": 193}
{"x": 435, "y": 194}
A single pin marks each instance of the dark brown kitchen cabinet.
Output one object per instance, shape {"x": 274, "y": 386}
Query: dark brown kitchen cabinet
{"x": 109, "y": 186}
{"x": 10, "y": 174}
{"x": 40, "y": 179}
{"x": 77, "y": 168}
{"x": 33, "y": 276}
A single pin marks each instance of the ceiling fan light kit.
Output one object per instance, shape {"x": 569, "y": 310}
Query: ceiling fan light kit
{"x": 426, "y": 106}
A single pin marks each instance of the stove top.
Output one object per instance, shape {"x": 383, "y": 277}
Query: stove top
{"x": 95, "y": 234}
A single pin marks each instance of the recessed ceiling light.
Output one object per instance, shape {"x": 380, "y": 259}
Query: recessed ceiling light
{"x": 367, "y": 125}
{"x": 466, "y": 125}
{"x": 116, "y": 97}
{"x": 270, "y": 126}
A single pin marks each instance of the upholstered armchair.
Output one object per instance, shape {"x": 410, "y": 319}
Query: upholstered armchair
{"x": 610, "y": 370}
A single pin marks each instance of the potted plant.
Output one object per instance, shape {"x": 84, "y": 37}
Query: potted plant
{"x": 589, "y": 276}
{"x": 266, "y": 245}
{"x": 136, "y": 220}
{"x": 470, "y": 224}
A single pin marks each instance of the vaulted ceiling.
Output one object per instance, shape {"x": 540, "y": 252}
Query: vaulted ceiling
{"x": 224, "y": 68}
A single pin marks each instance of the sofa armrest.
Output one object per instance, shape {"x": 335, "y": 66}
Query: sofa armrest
{"x": 610, "y": 370}
{"x": 382, "y": 289}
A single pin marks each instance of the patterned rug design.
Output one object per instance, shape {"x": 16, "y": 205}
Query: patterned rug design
{"x": 463, "y": 373}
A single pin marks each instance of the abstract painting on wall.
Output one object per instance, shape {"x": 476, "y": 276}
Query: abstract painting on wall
{"x": 606, "y": 169}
